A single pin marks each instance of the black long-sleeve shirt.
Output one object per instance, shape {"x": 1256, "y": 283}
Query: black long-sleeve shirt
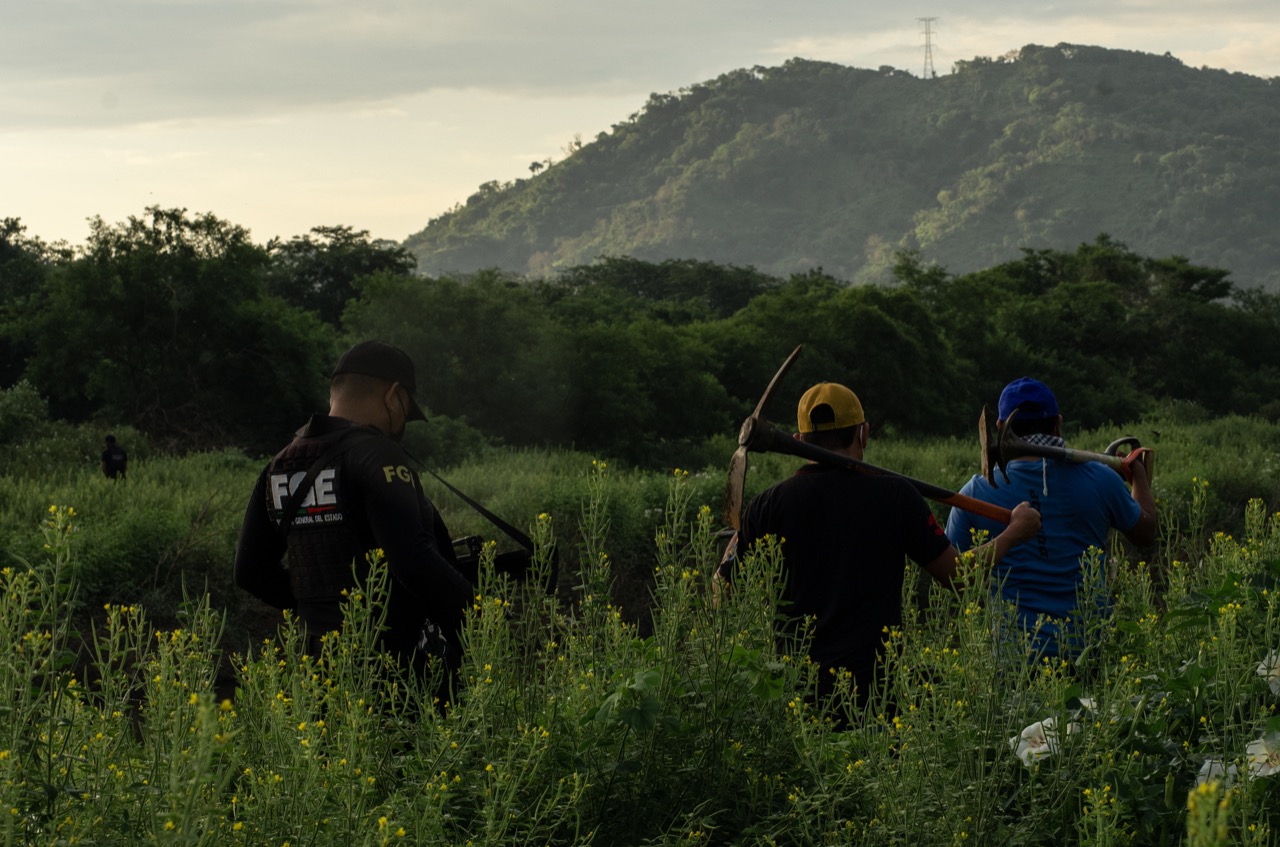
{"x": 366, "y": 497}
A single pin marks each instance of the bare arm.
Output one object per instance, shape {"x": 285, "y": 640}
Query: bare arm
{"x": 720, "y": 579}
{"x": 1023, "y": 525}
{"x": 1143, "y": 532}
{"x": 259, "y": 552}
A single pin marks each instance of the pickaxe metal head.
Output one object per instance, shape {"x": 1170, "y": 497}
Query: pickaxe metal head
{"x": 990, "y": 450}
{"x": 1011, "y": 446}
{"x": 737, "y": 479}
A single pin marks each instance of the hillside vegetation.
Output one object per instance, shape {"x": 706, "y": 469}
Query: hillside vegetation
{"x": 814, "y": 164}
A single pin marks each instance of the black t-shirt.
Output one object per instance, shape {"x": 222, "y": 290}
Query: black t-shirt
{"x": 844, "y": 538}
{"x": 114, "y": 461}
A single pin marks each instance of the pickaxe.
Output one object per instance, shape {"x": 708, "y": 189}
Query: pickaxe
{"x": 1012, "y": 447}
{"x": 758, "y": 435}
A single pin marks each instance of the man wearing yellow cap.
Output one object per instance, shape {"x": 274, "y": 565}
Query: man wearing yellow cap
{"x": 844, "y": 537}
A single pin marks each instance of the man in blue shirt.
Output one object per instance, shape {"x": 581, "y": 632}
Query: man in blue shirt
{"x": 1078, "y": 504}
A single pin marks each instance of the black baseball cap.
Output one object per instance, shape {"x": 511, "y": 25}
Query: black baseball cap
{"x": 377, "y": 359}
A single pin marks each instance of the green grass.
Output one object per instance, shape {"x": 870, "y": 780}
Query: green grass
{"x": 626, "y": 709}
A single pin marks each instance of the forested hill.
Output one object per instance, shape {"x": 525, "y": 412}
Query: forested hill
{"x": 817, "y": 164}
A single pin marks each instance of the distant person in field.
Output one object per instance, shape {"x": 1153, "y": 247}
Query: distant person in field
{"x": 1078, "y": 504}
{"x": 845, "y": 540}
{"x": 342, "y": 487}
{"x": 115, "y": 461}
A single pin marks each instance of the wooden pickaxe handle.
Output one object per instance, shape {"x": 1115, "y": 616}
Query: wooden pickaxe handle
{"x": 1011, "y": 447}
{"x": 759, "y": 436}
{"x": 1122, "y": 465}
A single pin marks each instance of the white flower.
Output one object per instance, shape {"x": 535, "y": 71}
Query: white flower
{"x": 1270, "y": 671}
{"x": 1264, "y": 755}
{"x": 1214, "y": 769}
{"x": 1037, "y": 741}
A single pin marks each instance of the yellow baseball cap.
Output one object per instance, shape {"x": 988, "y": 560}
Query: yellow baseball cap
{"x": 843, "y": 403}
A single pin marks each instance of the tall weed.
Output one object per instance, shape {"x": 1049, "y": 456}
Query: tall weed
{"x": 578, "y": 720}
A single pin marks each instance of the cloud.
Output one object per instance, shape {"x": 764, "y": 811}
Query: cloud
{"x": 285, "y": 114}
{"x": 84, "y": 63}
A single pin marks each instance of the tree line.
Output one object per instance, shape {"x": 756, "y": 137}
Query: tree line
{"x": 181, "y": 327}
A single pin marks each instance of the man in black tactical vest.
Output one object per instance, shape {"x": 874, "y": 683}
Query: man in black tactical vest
{"x": 342, "y": 487}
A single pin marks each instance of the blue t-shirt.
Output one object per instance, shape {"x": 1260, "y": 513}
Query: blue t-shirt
{"x": 1043, "y": 575}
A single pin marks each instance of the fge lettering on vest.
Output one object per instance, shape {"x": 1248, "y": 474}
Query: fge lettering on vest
{"x": 321, "y": 493}
{"x": 399, "y": 472}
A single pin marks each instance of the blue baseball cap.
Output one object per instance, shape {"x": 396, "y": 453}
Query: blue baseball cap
{"x": 1031, "y": 397}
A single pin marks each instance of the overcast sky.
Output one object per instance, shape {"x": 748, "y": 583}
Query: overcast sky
{"x": 282, "y": 115}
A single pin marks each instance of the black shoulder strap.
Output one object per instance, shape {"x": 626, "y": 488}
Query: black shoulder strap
{"x": 515, "y": 534}
{"x": 289, "y": 510}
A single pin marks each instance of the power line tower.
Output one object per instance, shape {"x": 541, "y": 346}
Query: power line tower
{"x": 929, "y": 72}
